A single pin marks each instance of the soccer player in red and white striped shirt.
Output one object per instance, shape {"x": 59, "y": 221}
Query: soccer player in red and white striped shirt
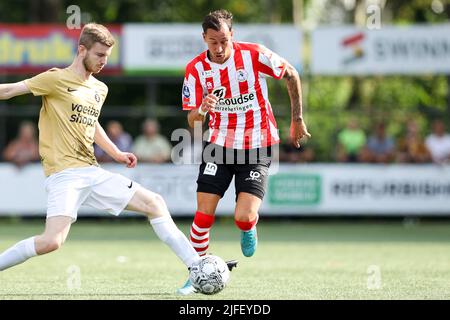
{"x": 228, "y": 83}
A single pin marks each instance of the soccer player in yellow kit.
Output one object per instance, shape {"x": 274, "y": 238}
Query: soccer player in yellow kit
{"x": 68, "y": 126}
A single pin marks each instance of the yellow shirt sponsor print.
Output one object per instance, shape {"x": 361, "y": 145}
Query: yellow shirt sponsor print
{"x": 70, "y": 110}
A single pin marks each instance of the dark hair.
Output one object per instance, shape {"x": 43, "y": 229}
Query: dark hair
{"x": 215, "y": 19}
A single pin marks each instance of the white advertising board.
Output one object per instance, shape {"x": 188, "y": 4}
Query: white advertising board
{"x": 417, "y": 49}
{"x": 294, "y": 190}
{"x": 163, "y": 47}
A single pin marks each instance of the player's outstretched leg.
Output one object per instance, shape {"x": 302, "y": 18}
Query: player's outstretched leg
{"x": 187, "y": 288}
{"x": 155, "y": 208}
{"x": 56, "y": 230}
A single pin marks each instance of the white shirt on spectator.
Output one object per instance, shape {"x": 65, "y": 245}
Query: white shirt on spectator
{"x": 439, "y": 147}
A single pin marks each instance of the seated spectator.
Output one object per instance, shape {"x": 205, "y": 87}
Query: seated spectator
{"x": 351, "y": 141}
{"x": 24, "y": 148}
{"x": 380, "y": 148}
{"x": 152, "y": 146}
{"x": 438, "y": 142}
{"x": 121, "y": 139}
{"x": 411, "y": 147}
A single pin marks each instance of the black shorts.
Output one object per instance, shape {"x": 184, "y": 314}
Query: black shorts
{"x": 250, "y": 169}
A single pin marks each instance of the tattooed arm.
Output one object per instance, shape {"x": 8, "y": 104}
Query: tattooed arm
{"x": 298, "y": 126}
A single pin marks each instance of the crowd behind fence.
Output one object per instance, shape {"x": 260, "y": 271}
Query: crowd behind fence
{"x": 352, "y": 144}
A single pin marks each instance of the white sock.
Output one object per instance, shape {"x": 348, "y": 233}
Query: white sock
{"x": 169, "y": 233}
{"x": 18, "y": 253}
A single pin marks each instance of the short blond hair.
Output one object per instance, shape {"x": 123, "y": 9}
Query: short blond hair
{"x": 92, "y": 33}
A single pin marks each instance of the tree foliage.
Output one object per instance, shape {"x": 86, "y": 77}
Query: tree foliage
{"x": 328, "y": 101}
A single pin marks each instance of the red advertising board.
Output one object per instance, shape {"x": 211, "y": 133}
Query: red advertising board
{"x": 37, "y": 47}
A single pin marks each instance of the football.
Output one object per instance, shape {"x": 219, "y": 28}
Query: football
{"x": 209, "y": 275}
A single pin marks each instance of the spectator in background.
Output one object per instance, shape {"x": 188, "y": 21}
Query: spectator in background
{"x": 152, "y": 146}
{"x": 351, "y": 141}
{"x": 411, "y": 147}
{"x": 289, "y": 153}
{"x": 121, "y": 139}
{"x": 380, "y": 148}
{"x": 438, "y": 142}
{"x": 24, "y": 148}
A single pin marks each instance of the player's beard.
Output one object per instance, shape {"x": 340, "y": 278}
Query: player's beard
{"x": 221, "y": 58}
{"x": 89, "y": 66}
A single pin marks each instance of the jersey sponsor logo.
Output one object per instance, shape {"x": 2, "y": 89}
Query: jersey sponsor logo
{"x": 254, "y": 176}
{"x": 186, "y": 92}
{"x": 220, "y": 92}
{"x": 241, "y": 103}
{"x": 241, "y": 75}
{"x": 87, "y": 110}
{"x": 86, "y": 115}
{"x": 207, "y": 73}
{"x": 210, "y": 169}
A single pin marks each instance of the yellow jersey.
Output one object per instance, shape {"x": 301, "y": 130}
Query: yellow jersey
{"x": 68, "y": 117}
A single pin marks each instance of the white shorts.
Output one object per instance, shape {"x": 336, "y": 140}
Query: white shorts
{"x": 92, "y": 186}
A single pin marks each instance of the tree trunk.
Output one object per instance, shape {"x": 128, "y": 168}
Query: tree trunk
{"x": 297, "y": 12}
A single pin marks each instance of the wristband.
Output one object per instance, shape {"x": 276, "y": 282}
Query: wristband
{"x": 201, "y": 112}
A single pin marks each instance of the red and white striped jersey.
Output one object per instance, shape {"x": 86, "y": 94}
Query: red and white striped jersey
{"x": 243, "y": 118}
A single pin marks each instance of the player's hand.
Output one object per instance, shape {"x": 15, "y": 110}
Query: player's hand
{"x": 298, "y": 131}
{"x": 127, "y": 158}
{"x": 209, "y": 103}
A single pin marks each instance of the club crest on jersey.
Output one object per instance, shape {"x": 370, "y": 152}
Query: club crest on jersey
{"x": 186, "y": 92}
{"x": 241, "y": 75}
{"x": 220, "y": 92}
{"x": 209, "y": 85}
{"x": 97, "y": 97}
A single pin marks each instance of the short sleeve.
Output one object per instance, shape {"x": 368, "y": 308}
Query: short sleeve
{"x": 270, "y": 63}
{"x": 44, "y": 83}
{"x": 192, "y": 93}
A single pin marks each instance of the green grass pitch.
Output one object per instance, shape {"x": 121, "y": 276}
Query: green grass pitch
{"x": 296, "y": 259}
